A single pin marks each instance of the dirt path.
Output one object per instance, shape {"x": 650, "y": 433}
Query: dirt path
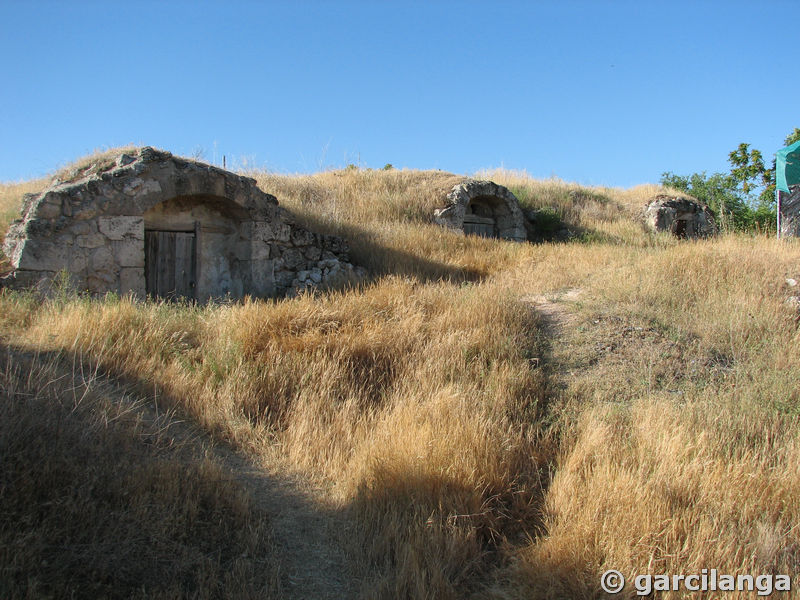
{"x": 554, "y": 308}
{"x": 307, "y": 535}
{"x": 308, "y": 531}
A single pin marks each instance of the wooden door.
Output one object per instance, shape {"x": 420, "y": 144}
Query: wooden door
{"x": 170, "y": 264}
{"x": 476, "y": 225}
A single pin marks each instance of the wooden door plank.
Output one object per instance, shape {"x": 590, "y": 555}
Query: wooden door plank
{"x": 150, "y": 263}
{"x": 184, "y": 259}
{"x": 165, "y": 263}
{"x": 193, "y": 260}
{"x": 180, "y": 265}
{"x": 198, "y": 245}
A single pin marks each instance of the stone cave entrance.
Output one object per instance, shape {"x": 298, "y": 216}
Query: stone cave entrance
{"x": 684, "y": 218}
{"x": 483, "y": 208}
{"x": 194, "y": 249}
{"x": 146, "y": 223}
{"x": 479, "y": 219}
{"x": 681, "y": 228}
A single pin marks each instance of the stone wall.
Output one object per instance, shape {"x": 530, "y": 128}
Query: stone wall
{"x": 680, "y": 216}
{"x": 483, "y": 208}
{"x": 94, "y": 226}
{"x": 790, "y": 212}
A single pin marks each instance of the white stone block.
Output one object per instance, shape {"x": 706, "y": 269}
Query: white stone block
{"x": 39, "y": 255}
{"x": 129, "y": 253}
{"x": 132, "y": 280}
{"x": 139, "y": 186}
{"x": 262, "y": 231}
{"x": 101, "y": 260}
{"x": 91, "y": 240}
{"x": 263, "y": 278}
{"x": 259, "y": 250}
{"x": 50, "y": 207}
{"x": 119, "y": 228}
{"x": 282, "y": 232}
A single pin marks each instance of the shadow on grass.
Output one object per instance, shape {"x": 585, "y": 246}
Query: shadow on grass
{"x": 110, "y": 501}
{"x": 101, "y": 498}
{"x": 572, "y": 234}
{"x": 380, "y": 259}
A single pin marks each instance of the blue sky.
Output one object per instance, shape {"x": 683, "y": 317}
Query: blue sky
{"x": 603, "y": 92}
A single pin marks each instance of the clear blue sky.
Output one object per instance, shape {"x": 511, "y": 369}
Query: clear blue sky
{"x": 597, "y": 92}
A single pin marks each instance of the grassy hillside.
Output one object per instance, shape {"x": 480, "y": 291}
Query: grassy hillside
{"x": 100, "y": 502}
{"x": 482, "y": 447}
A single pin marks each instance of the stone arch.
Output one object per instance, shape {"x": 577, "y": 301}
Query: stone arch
{"x": 682, "y": 217}
{"x": 214, "y": 233}
{"x": 483, "y": 208}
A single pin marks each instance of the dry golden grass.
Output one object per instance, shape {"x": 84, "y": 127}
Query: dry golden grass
{"x": 575, "y": 203}
{"x": 661, "y": 486}
{"x": 679, "y": 420}
{"x": 479, "y": 451}
{"x": 387, "y": 217}
{"x": 11, "y": 193}
{"x": 98, "y": 502}
{"x": 98, "y": 161}
{"x": 362, "y": 197}
{"x": 379, "y": 390}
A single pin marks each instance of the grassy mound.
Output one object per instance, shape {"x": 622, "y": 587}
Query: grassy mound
{"x": 480, "y": 449}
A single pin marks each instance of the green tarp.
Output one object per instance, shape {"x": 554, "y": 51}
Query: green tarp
{"x": 787, "y": 166}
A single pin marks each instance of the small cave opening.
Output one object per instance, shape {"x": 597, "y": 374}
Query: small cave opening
{"x": 479, "y": 219}
{"x": 680, "y": 228}
{"x": 485, "y": 209}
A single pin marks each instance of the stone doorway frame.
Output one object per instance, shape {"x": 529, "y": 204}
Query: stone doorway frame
{"x": 479, "y": 219}
{"x": 505, "y": 217}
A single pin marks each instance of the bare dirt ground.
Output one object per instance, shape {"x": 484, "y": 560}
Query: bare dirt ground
{"x": 554, "y": 309}
{"x": 308, "y": 533}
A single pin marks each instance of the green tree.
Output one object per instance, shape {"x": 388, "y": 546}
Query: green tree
{"x": 719, "y": 192}
{"x": 742, "y": 199}
{"x": 747, "y": 169}
{"x": 792, "y": 137}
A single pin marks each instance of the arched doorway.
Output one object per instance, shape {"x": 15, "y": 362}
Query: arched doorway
{"x": 192, "y": 248}
{"x": 479, "y": 219}
{"x": 483, "y": 208}
{"x": 681, "y": 228}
